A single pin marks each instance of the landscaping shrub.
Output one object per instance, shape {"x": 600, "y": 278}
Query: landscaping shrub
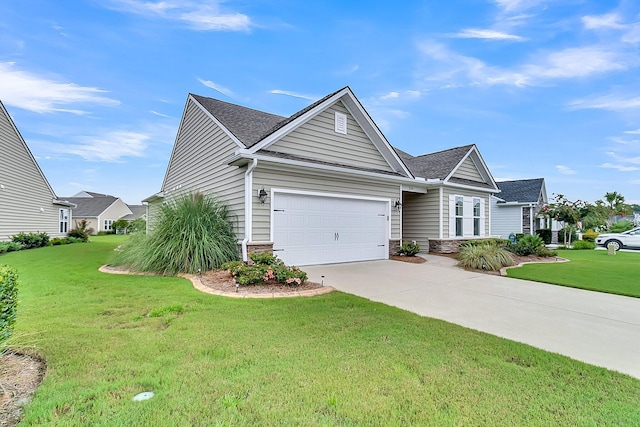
{"x": 31, "y": 240}
{"x": 8, "y": 301}
{"x": 527, "y": 245}
{"x": 9, "y": 247}
{"x": 409, "y": 248}
{"x": 56, "y": 241}
{"x": 493, "y": 241}
{"x": 583, "y": 244}
{"x": 545, "y": 234}
{"x": 620, "y": 226}
{"x": 543, "y": 251}
{"x": 590, "y": 235}
{"x": 192, "y": 233}
{"x": 267, "y": 269}
{"x": 81, "y": 231}
{"x": 484, "y": 257}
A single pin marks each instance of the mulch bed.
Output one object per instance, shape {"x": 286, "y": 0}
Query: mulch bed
{"x": 221, "y": 280}
{"x": 20, "y": 376}
{"x": 409, "y": 259}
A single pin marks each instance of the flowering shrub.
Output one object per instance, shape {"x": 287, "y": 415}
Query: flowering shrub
{"x": 267, "y": 269}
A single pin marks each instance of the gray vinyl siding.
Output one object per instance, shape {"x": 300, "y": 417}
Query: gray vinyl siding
{"x": 153, "y": 209}
{"x": 468, "y": 170}
{"x": 505, "y": 220}
{"x": 26, "y": 201}
{"x": 196, "y": 164}
{"x": 420, "y": 217}
{"x": 269, "y": 177}
{"x": 468, "y": 193}
{"x": 318, "y": 139}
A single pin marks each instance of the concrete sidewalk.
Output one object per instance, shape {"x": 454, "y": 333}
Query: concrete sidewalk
{"x": 597, "y": 328}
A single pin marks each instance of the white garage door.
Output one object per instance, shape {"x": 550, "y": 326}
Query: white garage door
{"x": 309, "y": 229}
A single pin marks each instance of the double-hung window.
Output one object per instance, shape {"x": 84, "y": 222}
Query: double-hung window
{"x": 64, "y": 220}
{"x": 476, "y": 216}
{"x": 459, "y": 216}
{"x": 466, "y": 216}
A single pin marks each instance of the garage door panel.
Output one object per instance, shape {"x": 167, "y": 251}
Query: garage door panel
{"x": 312, "y": 229}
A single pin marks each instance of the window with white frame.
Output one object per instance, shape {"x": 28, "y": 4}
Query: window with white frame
{"x": 476, "y": 216}
{"x": 64, "y": 220}
{"x": 466, "y": 216}
{"x": 107, "y": 224}
{"x": 459, "y": 216}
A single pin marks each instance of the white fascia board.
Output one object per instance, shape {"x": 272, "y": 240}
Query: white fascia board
{"x": 64, "y": 203}
{"x": 240, "y": 159}
{"x": 469, "y": 187}
{"x": 299, "y": 121}
{"x": 154, "y": 197}
{"x": 375, "y": 135}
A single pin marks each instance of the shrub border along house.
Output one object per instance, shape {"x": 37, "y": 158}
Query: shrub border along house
{"x": 266, "y": 269}
{"x": 8, "y": 301}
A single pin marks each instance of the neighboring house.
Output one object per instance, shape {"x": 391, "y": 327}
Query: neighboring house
{"x": 323, "y": 185}
{"x": 516, "y": 209}
{"x": 137, "y": 211}
{"x": 27, "y": 201}
{"x": 99, "y": 210}
{"x": 455, "y": 207}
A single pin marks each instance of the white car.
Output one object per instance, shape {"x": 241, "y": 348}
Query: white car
{"x": 628, "y": 239}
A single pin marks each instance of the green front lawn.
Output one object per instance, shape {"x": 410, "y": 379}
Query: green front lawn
{"x": 323, "y": 361}
{"x": 592, "y": 270}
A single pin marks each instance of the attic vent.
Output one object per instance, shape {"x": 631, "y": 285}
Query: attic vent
{"x": 341, "y": 123}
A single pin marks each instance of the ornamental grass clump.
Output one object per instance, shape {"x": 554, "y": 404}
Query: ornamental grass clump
{"x": 192, "y": 233}
{"x": 484, "y": 257}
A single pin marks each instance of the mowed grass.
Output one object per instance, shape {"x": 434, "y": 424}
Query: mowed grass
{"x": 592, "y": 270}
{"x": 323, "y": 361}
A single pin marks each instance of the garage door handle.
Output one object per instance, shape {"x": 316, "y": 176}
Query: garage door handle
{"x": 277, "y": 250}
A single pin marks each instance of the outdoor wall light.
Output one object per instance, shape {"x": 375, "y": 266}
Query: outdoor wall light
{"x": 262, "y": 195}
{"x": 397, "y": 205}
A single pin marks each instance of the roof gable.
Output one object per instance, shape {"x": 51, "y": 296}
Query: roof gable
{"x": 13, "y": 141}
{"x": 459, "y": 165}
{"x": 346, "y": 97}
{"x": 523, "y": 191}
{"x": 92, "y": 206}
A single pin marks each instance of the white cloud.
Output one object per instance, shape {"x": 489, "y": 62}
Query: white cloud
{"x": 161, "y": 114}
{"x": 609, "y": 20}
{"x": 223, "y": 90}
{"x": 29, "y": 91}
{"x": 516, "y": 5}
{"x": 475, "y": 33}
{"x": 620, "y": 168}
{"x": 633, "y": 132}
{"x": 390, "y": 95}
{"x": 608, "y": 102}
{"x": 110, "y": 147}
{"x": 565, "y": 170}
{"x": 460, "y": 70}
{"x": 578, "y": 62}
{"x": 199, "y": 15}
{"x": 293, "y": 94}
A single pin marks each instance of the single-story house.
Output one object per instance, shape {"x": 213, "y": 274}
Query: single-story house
{"x": 323, "y": 185}
{"x": 99, "y": 210}
{"x": 27, "y": 201}
{"x": 455, "y": 207}
{"x": 516, "y": 209}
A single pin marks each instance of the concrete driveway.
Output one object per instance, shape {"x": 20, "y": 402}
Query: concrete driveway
{"x": 597, "y": 328}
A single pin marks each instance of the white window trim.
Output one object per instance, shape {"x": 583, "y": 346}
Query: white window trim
{"x": 467, "y": 217}
{"x": 63, "y": 220}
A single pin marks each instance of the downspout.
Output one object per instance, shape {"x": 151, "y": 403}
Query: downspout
{"x": 248, "y": 190}
{"x": 440, "y": 213}
{"x": 531, "y": 220}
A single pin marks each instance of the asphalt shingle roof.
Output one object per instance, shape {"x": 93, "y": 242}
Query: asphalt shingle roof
{"x": 434, "y": 165}
{"x": 90, "y": 206}
{"x": 248, "y": 125}
{"x": 521, "y": 191}
{"x": 137, "y": 212}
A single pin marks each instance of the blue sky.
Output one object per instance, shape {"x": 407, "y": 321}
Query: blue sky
{"x": 543, "y": 88}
